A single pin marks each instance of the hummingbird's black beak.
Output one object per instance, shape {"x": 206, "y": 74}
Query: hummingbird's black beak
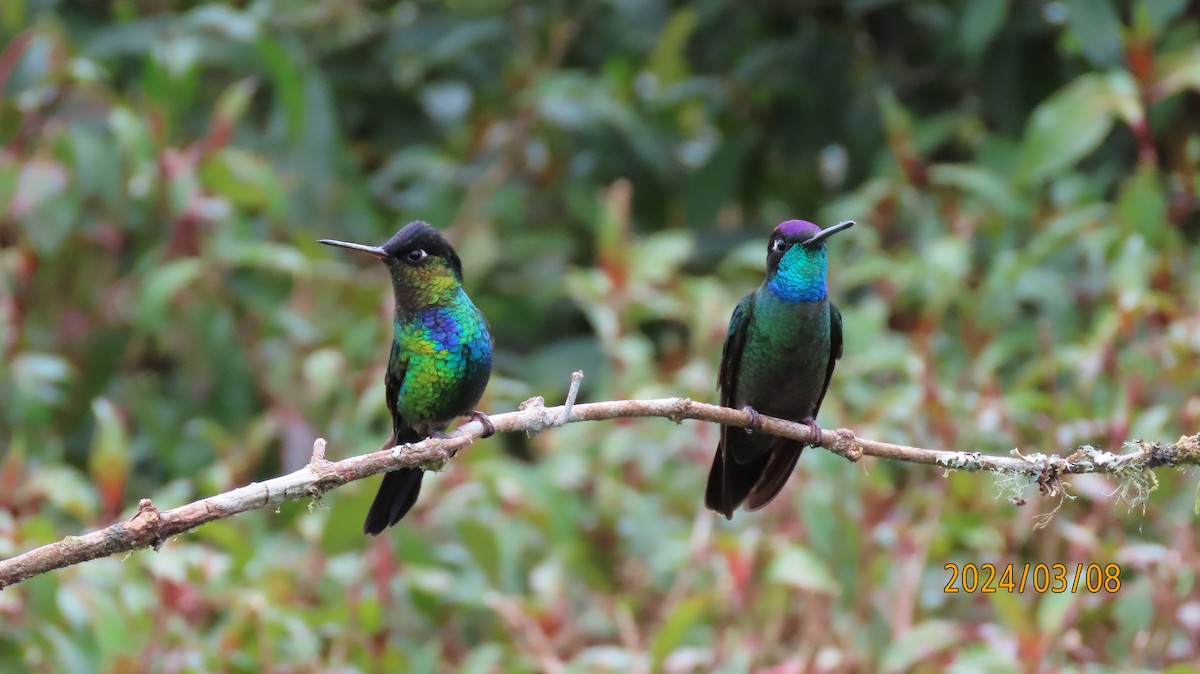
{"x": 369, "y": 250}
{"x": 828, "y": 232}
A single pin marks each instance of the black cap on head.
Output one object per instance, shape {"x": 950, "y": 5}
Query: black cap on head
{"x": 415, "y": 236}
{"x": 420, "y": 235}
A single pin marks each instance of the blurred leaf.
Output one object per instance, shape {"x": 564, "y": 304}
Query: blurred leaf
{"x": 1178, "y": 72}
{"x": 570, "y": 101}
{"x": 92, "y": 156}
{"x": 131, "y": 134}
{"x": 1070, "y": 124}
{"x": 1157, "y": 14}
{"x": 67, "y": 490}
{"x": 483, "y": 659}
{"x": 230, "y": 537}
{"x": 40, "y": 186}
{"x": 245, "y": 179}
{"x": 981, "y": 19}
{"x": 668, "y": 61}
{"x": 10, "y": 176}
{"x": 1053, "y": 608}
{"x": 1011, "y": 609}
{"x": 109, "y": 460}
{"x": 12, "y": 15}
{"x": 481, "y": 541}
{"x": 897, "y": 123}
{"x": 265, "y": 256}
{"x": 918, "y": 643}
{"x": 799, "y": 568}
{"x": 370, "y": 615}
{"x": 288, "y": 83}
{"x": 230, "y": 108}
{"x": 676, "y": 627}
{"x": 655, "y": 259}
{"x": 1143, "y": 206}
{"x": 1135, "y": 605}
{"x": 161, "y": 285}
{"x": 447, "y": 102}
{"x": 113, "y": 636}
{"x": 1095, "y": 25}
{"x": 980, "y": 183}
{"x": 37, "y": 385}
{"x": 222, "y": 20}
{"x": 984, "y": 659}
{"x": 323, "y": 369}
{"x": 70, "y": 655}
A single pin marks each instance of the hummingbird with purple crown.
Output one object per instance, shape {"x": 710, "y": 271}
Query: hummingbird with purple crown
{"x": 440, "y": 360}
{"x": 783, "y": 342}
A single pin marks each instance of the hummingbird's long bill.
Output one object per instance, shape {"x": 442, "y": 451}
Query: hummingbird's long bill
{"x": 829, "y": 231}
{"x": 369, "y": 250}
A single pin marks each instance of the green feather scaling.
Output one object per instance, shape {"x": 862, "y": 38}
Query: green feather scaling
{"x": 444, "y": 350}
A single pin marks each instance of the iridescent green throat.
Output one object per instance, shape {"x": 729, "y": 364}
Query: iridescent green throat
{"x": 801, "y": 275}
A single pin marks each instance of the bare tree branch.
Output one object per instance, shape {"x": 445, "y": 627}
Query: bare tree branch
{"x": 149, "y": 528}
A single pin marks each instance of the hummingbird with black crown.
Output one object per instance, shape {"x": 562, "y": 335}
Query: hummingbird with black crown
{"x": 441, "y": 355}
{"x": 784, "y": 339}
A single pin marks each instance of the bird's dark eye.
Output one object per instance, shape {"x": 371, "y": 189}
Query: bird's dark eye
{"x": 415, "y": 255}
{"x": 779, "y": 245}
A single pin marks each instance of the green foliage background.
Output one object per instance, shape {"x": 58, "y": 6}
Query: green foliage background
{"x": 1025, "y": 274}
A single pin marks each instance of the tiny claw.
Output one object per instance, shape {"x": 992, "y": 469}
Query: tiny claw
{"x": 818, "y": 434}
{"x": 488, "y": 427}
{"x": 754, "y": 421}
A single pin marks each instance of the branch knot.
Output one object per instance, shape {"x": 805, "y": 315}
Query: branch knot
{"x": 542, "y": 420}
{"x": 846, "y": 444}
{"x": 148, "y": 519}
{"x": 679, "y": 410}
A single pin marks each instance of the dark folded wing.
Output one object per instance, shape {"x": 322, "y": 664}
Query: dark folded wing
{"x": 729, "y": 482}
{"x": 835, "y": 351}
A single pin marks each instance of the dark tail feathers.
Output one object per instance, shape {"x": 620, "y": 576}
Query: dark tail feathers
{"x": 730, "y": 482}
{"x": 394, "y": 499}
{"x": 781, "y": 463}
{"x": 399, "y": 490}
{"x": 756, "y": 482}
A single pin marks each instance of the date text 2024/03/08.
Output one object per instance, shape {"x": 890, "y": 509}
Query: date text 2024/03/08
{"x": 1039, "y": 578}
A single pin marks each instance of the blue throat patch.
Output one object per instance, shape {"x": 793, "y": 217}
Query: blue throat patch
{"x": 801, "y": 276}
